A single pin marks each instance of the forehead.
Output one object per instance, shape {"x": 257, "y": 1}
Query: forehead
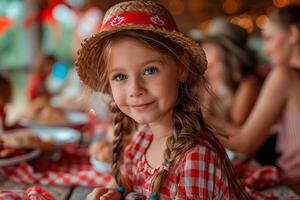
{"x": 271, "y": 28}
{"x": 127, "y": 51}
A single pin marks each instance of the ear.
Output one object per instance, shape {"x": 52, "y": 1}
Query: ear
{"x": 294, "y": 34}
{"x": 183, "y": 68}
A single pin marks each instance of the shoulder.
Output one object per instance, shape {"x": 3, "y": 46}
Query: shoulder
{"x": 200, "y": 175}
{"x": 279, "y": 79}
{"x": 281, "y": 74}
{"x": 200, "y": 156}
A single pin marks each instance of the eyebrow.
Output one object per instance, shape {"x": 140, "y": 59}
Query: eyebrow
{"x": 142, "y": 64}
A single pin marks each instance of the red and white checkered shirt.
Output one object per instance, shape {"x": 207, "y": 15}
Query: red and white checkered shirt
{"x": 198, "y": 175}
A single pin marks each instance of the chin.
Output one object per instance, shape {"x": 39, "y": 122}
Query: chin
{"x": 143, "y": 120}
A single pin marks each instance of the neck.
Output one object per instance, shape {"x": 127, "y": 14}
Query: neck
{"x": 295, "y": 57}
{"x": 163, "y": 127}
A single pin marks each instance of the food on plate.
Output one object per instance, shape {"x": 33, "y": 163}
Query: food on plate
{"x": 101, "y": 150}
{"x": 41, "y": 110}
{"x": 52, "y": 115}
{"x": 6, "y": 152}
{"x": 35, "y": 106}
{"x": 24, "y": 139}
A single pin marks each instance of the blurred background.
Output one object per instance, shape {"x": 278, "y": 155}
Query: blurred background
{"x": 31, "y": 27}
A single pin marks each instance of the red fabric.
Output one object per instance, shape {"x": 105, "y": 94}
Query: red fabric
{"x": 139, "y": 18}
{"x": 73, "y": 169}
{"x": 35, "y": 85}
{"x": 5, "y": 23}
{"x": 257, "y": 177}
{"x": 32, "y": 193}
{"x": 197, "y": 176}
{"x": 191, "y": 178}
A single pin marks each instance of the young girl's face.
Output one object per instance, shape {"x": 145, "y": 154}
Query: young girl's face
{"x": 144, "y": 82}
{"x": 276, "y": 43}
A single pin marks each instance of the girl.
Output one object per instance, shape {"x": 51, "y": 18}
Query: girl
{"x": 279, "y": 98}
{"x": 152, "y": 74}
{"x": 231, "y": 72}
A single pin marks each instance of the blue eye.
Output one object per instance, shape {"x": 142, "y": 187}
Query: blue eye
{"x": 150, "y": 70}
{"x": 119, "y": 77}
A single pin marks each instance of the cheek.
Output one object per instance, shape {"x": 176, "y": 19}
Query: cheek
{"x": 166, "y": 90}
{"x": 118, "y": 94}
{"x": 275, "y": 45}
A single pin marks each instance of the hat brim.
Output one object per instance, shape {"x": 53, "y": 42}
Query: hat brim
{"x": 88, "y": 49}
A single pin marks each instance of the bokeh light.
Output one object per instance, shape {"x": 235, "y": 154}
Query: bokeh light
{"x": 232, "y": 6}
{"x": 176, "y": 7}
{"x": 280, "y": 3}
{"x": 261, "y": 20}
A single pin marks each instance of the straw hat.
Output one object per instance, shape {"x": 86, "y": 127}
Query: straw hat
{"x": 231, "y": 36}
{"x": 134, "y": 15}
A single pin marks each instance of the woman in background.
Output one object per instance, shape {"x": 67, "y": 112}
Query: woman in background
{"x": 231, "y": 72}
{"x": 279, "y": 98}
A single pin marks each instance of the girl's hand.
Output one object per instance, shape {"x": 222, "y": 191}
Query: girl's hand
{"x": 104, "y": 194}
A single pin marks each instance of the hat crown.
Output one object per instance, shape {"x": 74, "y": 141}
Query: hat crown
{"x": 221, "y": 28}
{"x": 146, "y": 6}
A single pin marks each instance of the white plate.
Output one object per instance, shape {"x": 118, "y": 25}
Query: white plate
{"x": 77, "y": 118}
{"x": 74, "y": 118}
{"x": 100, "y": 166}
{"x": 17, "y": 159}
{"x": 59, "y": 135}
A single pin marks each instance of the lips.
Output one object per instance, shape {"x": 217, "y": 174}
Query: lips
{"x": 142, "y": 106}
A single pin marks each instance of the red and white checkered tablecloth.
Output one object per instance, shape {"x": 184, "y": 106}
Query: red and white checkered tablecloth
{"x": 258, "y": 177}
{"x": 73, "y": 169}
{"x": 32, "y": 193}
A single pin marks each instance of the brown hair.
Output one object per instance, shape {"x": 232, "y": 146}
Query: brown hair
{"x": 6, "y": 89}
{"x": 286, "y": 16}
{"x": 189, "y": 128}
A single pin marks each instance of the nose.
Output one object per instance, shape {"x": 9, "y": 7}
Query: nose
{"x": 137, "y": 88}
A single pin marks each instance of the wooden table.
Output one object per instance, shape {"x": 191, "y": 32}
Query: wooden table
{"x": 80, "y": 193}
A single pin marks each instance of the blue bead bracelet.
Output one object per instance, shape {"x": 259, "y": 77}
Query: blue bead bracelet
{"x": 121, "y": 189}
{"x": 153, "y": 197}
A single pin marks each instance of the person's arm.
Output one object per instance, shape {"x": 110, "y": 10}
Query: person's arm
{"x": 244, "y": 100}
{"x": 266, "y": 111}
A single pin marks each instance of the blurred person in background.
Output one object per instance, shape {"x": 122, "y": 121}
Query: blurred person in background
{"x": 5, "y": 99}
{"x": 37, "y": 81}
{"x": 6, "y": 96}
{"x": 279, "y": 97}
{"x": 231, "y": 72}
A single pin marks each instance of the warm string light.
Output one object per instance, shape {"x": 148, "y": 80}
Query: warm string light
{"x": 280, "y": 3}
{"x": 203, "y": 25}
{"x": 244, "y": 21}
{"x": 232, "y": 6}
{"x": 261, "y": 20}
